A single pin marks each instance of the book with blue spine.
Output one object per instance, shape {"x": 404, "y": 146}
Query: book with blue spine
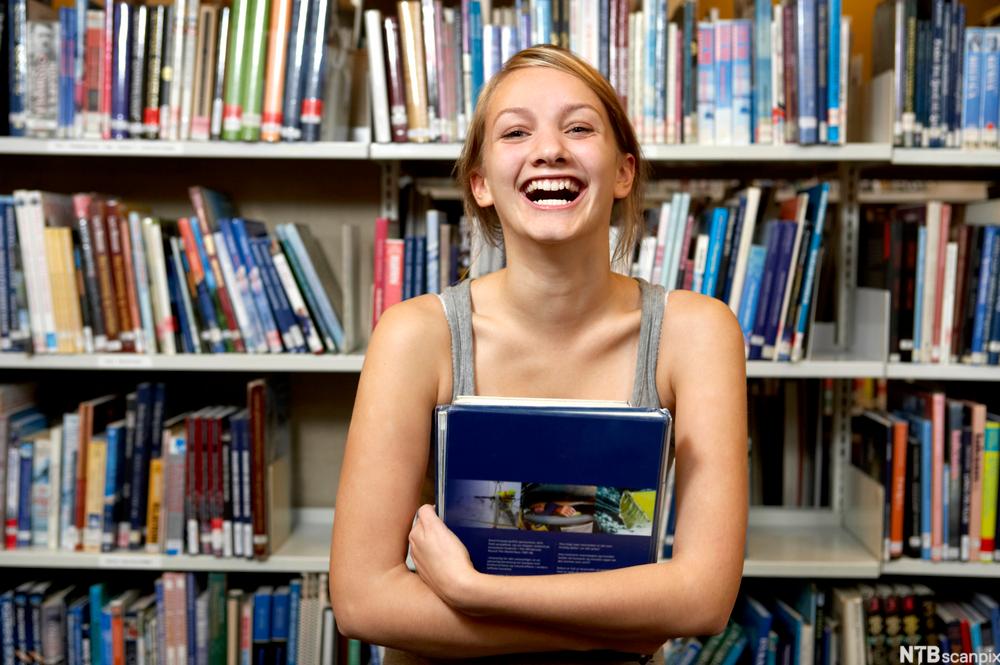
{"x": 139, "y": 467}
{"x": 991, "y": 87}
{"x": 816, "y": 212}
{"x": 261, "y": 631}
{"x": 541, "y": 22}
{"x": 294, "y": 606}
{"x": 762, "y": 71}
{"x": 797, "y": 629}
{"x": 972, "y": 92}
{"x": 738, "y": 225}
{"x": 822, "y": 73}
{"x": 188, "y": 339}
{"x": 525, "y": 503}
{"x": 97, "y": 595}
{"x": 751, "y": 291}
{"x": 280, "y": 625}
{"x": 935, "y": 104}
{"x": 743, "y": 120}
{"x": 433, "y": 272}
{"x": 784, "y": 263}
{"x": 409, "y": 266}
{"x": 723, "y": 63}
{"x": 705, "y": 123}
{"x": 282, "y": 326}
{"x": 17, "y": 27}
{"x": 833, "y": 118}
{"x": 756, "y": 622}
{"x": 720, "y": 219}
{"x": 67, "y": 82}
{"x": 287, "y": 318}
{"x": 475, "y": 32}
{"x": 115, "y": 436}
{"x": 805, "y": 41}
{"x": 990, "y": 609}
{"x": 773, "y": 238}
{"x": 120, "y": 70}
{"x": 958, "y": 76}
{"x": 77, "y": 622}
{"x": 26, "y": 459}
{"x": 319, "y": 278}
{"x": 316, "y": 323}
{"x": 7, "y": 627}
{"x": 992, "y": 289}
{"x": 263, "y": 339}
{"x": 660, "y": 88}
{"x": 947, "y": 72}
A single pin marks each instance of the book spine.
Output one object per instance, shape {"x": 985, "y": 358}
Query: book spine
{"x": 117, "y": 269}
{"x": 991, "y": 88}
{"x": 158, "y": 19}
{"x": 277, "y": 47}
{"x": 137, "y": 70}
{"x": 67, "y": 66}
{"x": 807, "y": 71}
{"x": 430, "y": 38}
{"x": 990, "y": 247}
{"x": 146, "y": 331}
{"x": 120, "y": 84}
{"x": 291, "y": 297}
{"x": 936, "y": 102}
{"x": 834, "y": 119}
{"x": 958, "y": 78}
{"x": 236, "y": 66}
{"x": 714, "y": 258}
{"x": 706, "y": 84}
{"x": 221, "y": 74}
{"x": 257, "y": 407}
{"x": 396, "y": 88}
{"x": 140, "y": 466}
{"x": 822, "y": 51}
{"x": 18, "y": 81}
{"x": 743, "y": 121}
{"x": 314, "y": 75}
{"x": 253, "y": 82}
{"x": 723, "y": 61}
{"x": 312, "y": 297}
{"x": 279, "y": 329}
{"x": 112, "y": 488}
{"x": 183, "y": 275}
{"x": 132, "y": 286}
{"x": 991, "y": 468}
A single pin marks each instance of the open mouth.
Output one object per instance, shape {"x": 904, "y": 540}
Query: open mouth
{"x": 552, "y": 192}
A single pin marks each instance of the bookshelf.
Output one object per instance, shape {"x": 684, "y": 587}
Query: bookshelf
{"x": 184, "y": 149}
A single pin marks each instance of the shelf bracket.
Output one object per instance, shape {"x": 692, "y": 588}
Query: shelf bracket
{"x": 846, "y": 274}
{"x": 389, "y": 190}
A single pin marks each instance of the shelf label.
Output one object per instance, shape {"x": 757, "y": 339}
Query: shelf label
{"x": 125, "y": 360}
{"x": 150, "y": 561}
{"x": 127, "y": 147}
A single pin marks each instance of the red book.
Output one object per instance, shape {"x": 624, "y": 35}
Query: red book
{"x": 378, "y": 271}
{"x": 397, "y": 91}
{"x": 117, "y": 261}
{"x": 105, "y": 281}
{"x": 394, "y": 251}
{"x": 107, "y": 68}
{"x": 900, "y": 441}
{"x": 257, "y": 407}
{"x": 94, "y": 415}
{"x": 943, "y": 221}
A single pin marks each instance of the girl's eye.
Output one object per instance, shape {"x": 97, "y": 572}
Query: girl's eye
{"x": 513, "y": 134}
{"x": 579, "y": 129}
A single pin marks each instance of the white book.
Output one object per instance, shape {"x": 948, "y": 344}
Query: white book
{"x": 591, "y": 38}
{"x": 672, "y": 111}
{"x": 297, "y": 302}
{"x": 662, "y": 238}
{"x": 33, "y": 264}
{"x": 780, "y": 348}
{"x": 433, "y": 265}
{"x": 163, "y": 317}
{"x": 948, "y": 302}
{"x": 679, "y": 207}
{"x": 647, "y": 254}
{"x": 146, "y": 332}
{"x": 931, "y": 290}
{"x": 700, "y": 257}
{"x": 743, "y": 251}
{"x": 170, "y": 125}
{"x": 68, "y": 537}
{"x": 187, "y": 82}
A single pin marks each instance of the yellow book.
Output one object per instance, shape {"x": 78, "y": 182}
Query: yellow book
{"x": 991, "y": 469}
{"x": 74, "y": 316}
{"x": 57, "y": 286}
{"x": 153, "y": 505}
{"x": 414, "y": 72}
{"x": 97, "y": 458}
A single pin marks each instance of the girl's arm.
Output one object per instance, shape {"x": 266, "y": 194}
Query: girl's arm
{"x": 374, "y": 596}
{"x": 694, "y": 592}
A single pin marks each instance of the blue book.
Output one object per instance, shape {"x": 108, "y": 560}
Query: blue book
{"x": 318, "y": 277}
{"x": 191, "y": 596}
{"x": 649, "y": 65}
{"x": 120, "y": 79}
{"x": 717, "y": 233}
{"x": 762, "y": 72}
{"x": 22, "y": 622}
{"x": 989, "y": 608}
{"x": 990, "y": 238}
{"x": 280, "y": 625}
{"x": 756, "y": 622}
{"x": 504, "y": 477}
{"x": 7, "y": 628}
{"x": 991, "y": 87}
{"x": 735, "y": 651}
{"x": 35, "y": 597}
{"x": 918, "y": 293}
{"x": 211, "y": 333}
{"x": 27, "y": 457}
{"x": 706, "y": 84}
{"x": 274, "y": 322}
{"x": 67, "y": 85}
{"x": 947, "y": 72}
{"x": 751, "y": 290}
{"x": 6, "y": 292}
{"x": 97, "y": 600}
{"x": 783, "y": 264}
{"x": 139, "y": 471}
{"x": 419, "y": 266}
{"x": 822, "y": 49}
{"x": 923, "y": 429}
{"x": 833, "y": 119}
{"x": 805, "y": 41}
{"x": 739, "y": 222}
{"x": 743, "y": 121}
{"x": 723, "y": 82}
{"x": 264, "y": 338}
{"x": 935, "y": 104}
{"x": 791, "y": 623}
{"x": 261, "y": 650}
{"x": 992, "y": 290}
{"x": 76, "y": 619}
{"x": 773, "y": 233}
{"x": 816, "y": 213}
{"x": 208, "y": 293}
{"x": 958, "y": 76}
{"x": 115, "y": 436}
{"x": 433, "y": 272}
{"x": 107, "y": 646}
{"x": 293, "y": 323}
{"x": 17, "y": 24}
{"x": 188, "y": 340}
{"x": 603, "y": 56}
{"x": 409, "y": 266}
{"x": 294, "y": 604}
{"x": 475, "y": 28}
{"x": 541, "y": 22}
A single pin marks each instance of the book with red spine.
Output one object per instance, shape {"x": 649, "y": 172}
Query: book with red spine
{"x": 393, "y": 271}
{"x": 105, "y": 281}
{"x": 274, "y": 81}
{"x": 94, "y": 414}
{"x": 944, "y": 222}
{"x": 257, "y": 409}
{"x": 107, "y": 68}
{"x": 394, "y": 74}
{"x": 378, "y": 270}
{"x": 131, "y": 286}
{"x": 113, "y": 219}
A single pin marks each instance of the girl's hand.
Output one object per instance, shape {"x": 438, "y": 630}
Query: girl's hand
{"x": 442, "y": 561}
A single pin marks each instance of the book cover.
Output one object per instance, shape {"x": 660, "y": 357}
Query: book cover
{"x": 521, "y": 505}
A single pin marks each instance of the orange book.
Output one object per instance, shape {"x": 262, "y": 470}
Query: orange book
{"x": 274, "y": 85}
{"x": 105, "y": 283}
{"x": 976, "y": 414}
{"x": 94, "y": 414}
{"x": 117, "y": 264}
{"x": 900, "y": 439}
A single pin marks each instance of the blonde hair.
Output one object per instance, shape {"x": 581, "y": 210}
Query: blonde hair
{"x": 628, "y": 210}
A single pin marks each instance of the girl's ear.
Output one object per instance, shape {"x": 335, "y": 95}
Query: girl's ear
{"x": 625, "y": 176}
{"x": 480, "y": 189}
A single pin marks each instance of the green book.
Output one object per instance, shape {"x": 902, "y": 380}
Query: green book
{"x": 216, "y": 619}
{"x": 252, "y": 98}
{"x": 235, "y": 70}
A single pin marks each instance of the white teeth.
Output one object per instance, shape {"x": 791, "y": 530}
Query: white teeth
{"x": 551, "y": 202}
{"x": 552, "y": 185}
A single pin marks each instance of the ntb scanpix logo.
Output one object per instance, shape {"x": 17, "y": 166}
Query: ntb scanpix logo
{"x": 932, "y": 655}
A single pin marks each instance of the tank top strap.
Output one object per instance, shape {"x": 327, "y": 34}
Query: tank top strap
{"x": 457, "y": 303}
{"x": 654, "y": 299}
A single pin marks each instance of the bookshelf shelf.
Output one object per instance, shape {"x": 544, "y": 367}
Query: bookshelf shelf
{"x": 940, "y": 569}
{"x": 184, "y": 149}
{"x": 187, "y": 363}
{"x": 804, "y": 543}
{"x": 815, "y": 369}
{"x": 307, "y": 550}
{"x": 957, "y": 372}
{"x": 423, "y": 151}
{"x": 945, "y": 157}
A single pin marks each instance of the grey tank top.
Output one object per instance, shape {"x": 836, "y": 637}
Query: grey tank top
{"x": 458, "y": 310}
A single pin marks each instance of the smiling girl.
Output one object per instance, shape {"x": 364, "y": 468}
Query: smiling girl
{"x": 549, "y": 161}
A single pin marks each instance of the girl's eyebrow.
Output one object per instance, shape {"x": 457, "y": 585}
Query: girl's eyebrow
{"x": 566, "y": 110}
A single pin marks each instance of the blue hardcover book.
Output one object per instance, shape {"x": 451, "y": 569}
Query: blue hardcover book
{"x": 188, "y": 342}
{"x": 723, "y": 82}
{"x": 992, "y": 290}
{"x": 526, "y": 502}
{"x": 783, "y": 264}
{"x": 409, "y": 260}
{"x": 720, "y": 218}
{"x": 762, "y": 72}
{"x": 211, "y": 333}
{"x": 264, "y": 339}
{"x": 295, "y": 325}
{"x": 756, "y": 622}
{"x": 316, "y": 277}
{"x": 76, "y": 618}
{"x": 6, "y": 292}
{"x": 120, "y": 80}
{"x": 7, "y": 628}
{"x": 208, "y": 292}
{"x": 475, "y": 31}
{"x": 918, "y": 293}
{"x": 280, "y": 625}
{"x": 603, "y": 56}
{"x": 816, "y": 213}
{"x": 958, "y": 77}
{"x": 139, "y": 467}
{"x": 22, "y": 622}
{"x": 947, "y": 72}
{"x": 791, "y": 623}
{"x": 751, "y": 290}
{"x": 97, "y": 600}
{"x": 991, "y": 87}
{"x": 17, "y": 25}
{"x": 736, "y": 650}
{"x": 922, "y": 427}
{"x": 269, "y": 309}
{"x": 833, "y": 119}
{"x": 541, "y": 22}
{"x": 773, "y": 237}
{"x": 261, "y": 632}
{"x": 990, "y": 237}
{"x": 739, "y": 224}
{"x": 27, "y": 457}
{"x": 433, "y": 272}
{"x": 989, "y": 608}
{"x": 115, "y": 436}
{"x": 706, "y": 84}
{"x": 649, "y": 66}
{"x": 805, "y": 41}
{"x": 935, "y": 102}
{"x": 294, "y": 604}
{"x": 67, "y": 70}
{"x": 107, "y": 641}
{"x": 822, "y": 57}
{"x": 419, "y": 266}
{"x": 743, "y": 121}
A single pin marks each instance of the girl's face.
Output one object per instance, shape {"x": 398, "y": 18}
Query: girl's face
{"x": 551, "y": 166}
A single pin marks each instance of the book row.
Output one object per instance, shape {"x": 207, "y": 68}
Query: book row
{"x": 187, "y": 70}
{"x": 177, "y": 620}
{"x": 87, "y": 273}
{"x": 132, "y": 473}
{"x": 938, "y": 459}
{"x": 778, "y": 76}
{"x": 941, "y": 266}
{"x": 865, "y": 624}
{"x": 945, "y": 75}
